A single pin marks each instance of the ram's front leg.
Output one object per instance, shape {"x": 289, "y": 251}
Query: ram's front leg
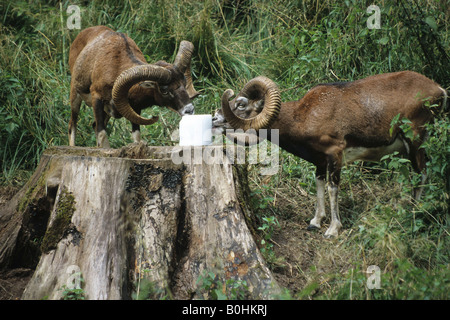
{"x": 100, "y": 126}
{"x": 135, "y": 133}
{"x": 75, "y": 104}
{"x": 315, "y": 223}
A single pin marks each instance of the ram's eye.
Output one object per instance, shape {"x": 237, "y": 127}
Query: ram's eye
{"x": 241, "y": 103}
{"x": 164, "y": 90}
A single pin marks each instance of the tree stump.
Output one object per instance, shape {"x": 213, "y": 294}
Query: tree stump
{"x": 116, "y": 222}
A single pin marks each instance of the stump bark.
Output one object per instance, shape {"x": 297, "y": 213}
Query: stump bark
{"x": 120, "y": 224}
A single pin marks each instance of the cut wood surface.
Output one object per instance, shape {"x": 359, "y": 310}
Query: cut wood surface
{"x": 119, "y": 221}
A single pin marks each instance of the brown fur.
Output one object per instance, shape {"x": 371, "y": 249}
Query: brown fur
{"x": 333, "y": 117}
{"x": 336, "y": 122}
{"x": 98, "y": 55}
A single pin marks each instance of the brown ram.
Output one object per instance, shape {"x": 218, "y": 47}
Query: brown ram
{"x": 110, "y": 74}
{"x": 337, "y": 123}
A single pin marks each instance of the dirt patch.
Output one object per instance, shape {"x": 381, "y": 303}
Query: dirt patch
{"x": 13, "y": 282}
{"x": 306, "y": 259}
{"x": 310, "y": 263}
{"x": 296, "y": 247}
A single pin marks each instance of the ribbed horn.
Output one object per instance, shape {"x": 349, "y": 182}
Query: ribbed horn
{"x": 130, "y": 77}
{"x": 183, "y": 63}
{"x": 256, "y": 89}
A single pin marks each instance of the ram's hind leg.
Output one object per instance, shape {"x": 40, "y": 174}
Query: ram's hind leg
{"x": 334, "y": 175}
{"x": 418, "y": 160}
{"x": 335, "y": 225}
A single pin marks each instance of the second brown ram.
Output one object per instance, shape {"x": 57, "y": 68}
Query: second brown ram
{"x": 337, "y": 123}
{"x": 109, "y": 72}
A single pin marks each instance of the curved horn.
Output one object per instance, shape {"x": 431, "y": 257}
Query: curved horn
{"x": 256, "y": 89}
{"x": 183, "y": 63}
{"x": 130, "y": 77}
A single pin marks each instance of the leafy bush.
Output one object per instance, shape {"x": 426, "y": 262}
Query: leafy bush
{"x": 298, "y": 44}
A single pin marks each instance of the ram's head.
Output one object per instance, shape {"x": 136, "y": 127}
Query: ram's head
{"x": 171, "y": 85}
{"x": 256, "y": 106}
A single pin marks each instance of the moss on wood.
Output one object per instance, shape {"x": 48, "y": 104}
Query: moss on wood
{"x": 61, "y": 223}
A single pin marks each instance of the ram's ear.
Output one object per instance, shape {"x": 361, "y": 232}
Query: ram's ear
{"x": 148, "y": 84}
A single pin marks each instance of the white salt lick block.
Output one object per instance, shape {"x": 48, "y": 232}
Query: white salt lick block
{"x": 195, "y": 130}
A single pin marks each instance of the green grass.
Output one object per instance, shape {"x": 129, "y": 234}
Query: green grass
{"x": 298, "y": 44}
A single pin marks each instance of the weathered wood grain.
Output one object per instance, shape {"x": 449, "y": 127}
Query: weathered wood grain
{"x": 126, "y": 219}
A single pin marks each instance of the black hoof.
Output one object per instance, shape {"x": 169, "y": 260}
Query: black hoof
{"x": 312, "y": 227}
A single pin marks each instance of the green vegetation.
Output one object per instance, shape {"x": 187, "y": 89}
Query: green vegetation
{"x": 73, "y": 293}
{"x": 213, "y": 289}
{"x": 298, "y": 44}
{"x": 148, "y": 290}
